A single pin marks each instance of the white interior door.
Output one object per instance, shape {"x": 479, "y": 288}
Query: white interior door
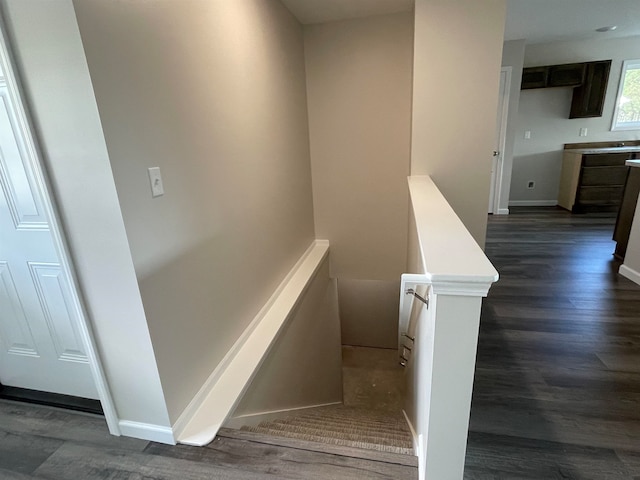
{"x": 499, "y": 141}
{"x": 41, "y": 347}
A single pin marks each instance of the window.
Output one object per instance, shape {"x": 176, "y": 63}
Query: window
{"x": 626, "y": 115}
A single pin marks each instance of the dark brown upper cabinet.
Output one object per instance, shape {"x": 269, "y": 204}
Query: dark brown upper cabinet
{"x": 569, "y": 75}
{"x": 588, "y": 99}
{"x": 534, "y": 77}
{"x": 588, "y": 79}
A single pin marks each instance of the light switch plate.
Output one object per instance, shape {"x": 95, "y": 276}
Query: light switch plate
{"x": 155, "y": 178}
{"x": 527, "y": 135}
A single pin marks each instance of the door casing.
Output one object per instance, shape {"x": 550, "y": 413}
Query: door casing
{"x": 57, "y": 233}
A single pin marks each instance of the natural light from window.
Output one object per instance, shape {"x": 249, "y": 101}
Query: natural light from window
{"x": 626, "y": 115}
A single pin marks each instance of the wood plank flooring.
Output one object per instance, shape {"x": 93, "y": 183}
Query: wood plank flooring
{"x": 557, "y": 385}
{"x": 38, "y": 442}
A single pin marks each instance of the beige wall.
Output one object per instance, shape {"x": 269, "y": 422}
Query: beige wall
{"x": 304, "y": 366}
{"x": 214, "y": 94}
{"x": 47, "y": 48}
{"x": 359, "y": 93}
{"x": 455, "y": 90}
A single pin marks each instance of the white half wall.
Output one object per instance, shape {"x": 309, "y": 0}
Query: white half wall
{"x": 545, "y": 113}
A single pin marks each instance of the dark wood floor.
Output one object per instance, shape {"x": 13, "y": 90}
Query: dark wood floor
{"x": 557, "y": 387}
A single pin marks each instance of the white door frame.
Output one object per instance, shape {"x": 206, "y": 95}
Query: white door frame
{"x": 57, "y": 232}
{"x": 504, "y": 113}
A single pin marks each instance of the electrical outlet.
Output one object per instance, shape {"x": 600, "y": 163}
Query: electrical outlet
{"x": 527, "y": 135}
{"x": 531, "y": 185}
{"x": 583, "y": 132}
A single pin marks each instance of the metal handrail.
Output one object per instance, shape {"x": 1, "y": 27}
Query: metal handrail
{"x": 411, "y": 291}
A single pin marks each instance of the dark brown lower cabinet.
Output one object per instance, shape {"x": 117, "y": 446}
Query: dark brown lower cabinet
{"x": 626, "y": 212}
{"x": 593, "y": 181}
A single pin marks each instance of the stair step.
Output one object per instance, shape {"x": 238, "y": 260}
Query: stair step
{"x": 352, "y": 423}
{"x": 350, "y": 434}
{"x": 334, "y": 441}
{"x": 344, "y": 426}
{"x": 345, "y": 451}
{"x": 337, "y": 416}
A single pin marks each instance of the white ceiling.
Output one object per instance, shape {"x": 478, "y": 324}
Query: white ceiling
{"x": 537, "y": 21}
{"x": 543, "y": 21}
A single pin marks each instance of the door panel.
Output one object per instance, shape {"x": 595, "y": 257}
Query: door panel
{"x": 42, "y": 348}
{"x": 20, "y": 192}
{"x": 15, "y": 333}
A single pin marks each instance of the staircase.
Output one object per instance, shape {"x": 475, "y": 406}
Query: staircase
{"x": 344, "y": 426}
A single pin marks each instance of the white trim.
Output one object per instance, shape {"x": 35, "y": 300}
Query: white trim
{"x": 626, "y": 65}
{"x": 441, "y": 232}
{"x": 216, "y": 399}
{"x": 147, "y": 431}
{"x": 499, "y": 181}
{"x": 253, "y": 419}
{"x": 422, "y": 458}
{"x": 414, "y": 434}
{"x": 57, "y": 233}
{"x": 502, "y": 211}
{"x": 629, "y": 273}
{"x": 533, "y": 203}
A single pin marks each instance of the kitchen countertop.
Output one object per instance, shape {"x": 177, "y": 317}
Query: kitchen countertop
{"x": 633, "y": 163}
{"x": 584, "y": 151}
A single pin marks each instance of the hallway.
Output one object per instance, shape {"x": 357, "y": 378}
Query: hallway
{"x": 557, "y": 385}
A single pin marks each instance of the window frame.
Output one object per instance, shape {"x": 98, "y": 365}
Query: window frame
{"x": 626, "y": 65}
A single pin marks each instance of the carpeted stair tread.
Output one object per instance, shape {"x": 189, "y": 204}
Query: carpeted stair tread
{"x": 340, "y": 409}
{"x": 351, "y": 434}
{"x": 351, "y": 414}
{"x": 340, "y": 427}
{"x": 333, "y": 441}
{"x": 375, "y": 417}
{"x": 344, "y": 426}
{"x": 400, "y": 427}
{"x": 341, "y": 450}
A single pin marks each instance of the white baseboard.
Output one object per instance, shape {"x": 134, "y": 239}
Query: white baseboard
{"x": 502, "y": 211}
{"x": 253, "y": 419}
{"x": 147, "y": 431}
{"x": 533, "y": 203}
{"x": 216, "y": 399}
{"x": 629, "y": 273}
{"x": 414, "y": 435}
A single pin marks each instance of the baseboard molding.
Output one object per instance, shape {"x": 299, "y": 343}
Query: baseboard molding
{"x": 147, "y": 431}
{"x": 502, "y": 211}
{"x": 252, "y": 420}
{"x": 629, "y": 273}
{"x": 533, "y": 203}
{"x": 216, "y": 399}
{"x": 414, "y": 435}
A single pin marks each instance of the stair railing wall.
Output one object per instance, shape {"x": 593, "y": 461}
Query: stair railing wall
{"x": 450, "y": 271}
